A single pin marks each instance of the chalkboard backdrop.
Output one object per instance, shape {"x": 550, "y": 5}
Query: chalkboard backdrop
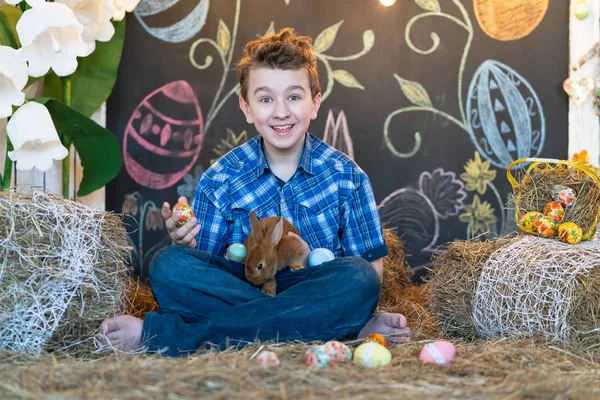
{"x": 433, "y": 99}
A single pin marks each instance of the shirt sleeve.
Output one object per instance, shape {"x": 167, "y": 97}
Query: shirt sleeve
{"x": 362, "y": 234}
{"x": 213, "y": 225}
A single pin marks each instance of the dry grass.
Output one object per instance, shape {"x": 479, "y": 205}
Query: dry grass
{"x": 491, "y": 370}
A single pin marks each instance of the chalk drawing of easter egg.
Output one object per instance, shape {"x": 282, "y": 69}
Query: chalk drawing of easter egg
{"x": 163, "y": 137}
{"x": 506, "y": 118}
{"x": 414, "y": 216}
{"x": 509, "y": 19}
{"x": 182, "y": 30}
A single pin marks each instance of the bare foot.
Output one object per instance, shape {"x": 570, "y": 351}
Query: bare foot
{"x": 392, "y": 326}
{"x": 123, "y": 331}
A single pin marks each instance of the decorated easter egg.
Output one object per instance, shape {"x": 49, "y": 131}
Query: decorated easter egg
{"x": 163, "y": 137}
{"x": 506, "y": 116}
{"x": 236, "y": 252}
{"x": 372, "y": 354}
{"x": 509, "y": 19}
{"x": 440, "y": 352}
{"x": 377, "y": 338}
{"x": 581, "y": 9}
{"x": 267, "y": 359}
{"x": 185, "y": 212}
{"x": 337, "y": 351}
{"x": 319, "y": 256}
{"x": 570, "y": 232}
{"x": 554, "y": 210}
{"x": 547, "y": 227}
{"x": 563, "y": 195}
{"x": 318, "y": 357}
{"x": 529, "y": 222}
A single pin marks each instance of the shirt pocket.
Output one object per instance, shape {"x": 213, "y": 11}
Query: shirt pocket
{"x": 320, "y": 222}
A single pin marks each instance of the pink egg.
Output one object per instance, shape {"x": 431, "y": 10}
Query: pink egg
{"x": 440, "y": 352}
{"x": 163, "y": 137}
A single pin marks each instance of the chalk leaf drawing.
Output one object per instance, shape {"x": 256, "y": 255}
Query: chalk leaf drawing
{"x": 229, "y": 143}
{"x": 429, "y": 5}
{"x": 416, "y": 213}
{"x": 151, "y": 134}
{"x": 337, "y": 133}
{"x": 506, "y": 119}
{"x": 480, "y": 217}
{"x": 323, "y": 42}
{"x": 509, "y": 19}
{"x": 184, "y": 29}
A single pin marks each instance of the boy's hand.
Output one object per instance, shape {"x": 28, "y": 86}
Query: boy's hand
{"x": 184, "y": 235}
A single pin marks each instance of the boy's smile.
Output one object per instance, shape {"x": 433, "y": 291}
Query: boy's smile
{"x": 281, "y": 107}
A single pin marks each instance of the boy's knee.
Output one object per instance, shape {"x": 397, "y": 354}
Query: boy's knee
{"x": 162, "y": 263}
{"x": 363, "y": 277}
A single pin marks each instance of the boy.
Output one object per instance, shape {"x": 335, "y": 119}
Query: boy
{"x": 204, "y": 298}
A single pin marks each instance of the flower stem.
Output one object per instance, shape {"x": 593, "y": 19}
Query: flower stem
{"x": 66, "y": 162}
{"x": 7, "y": 165}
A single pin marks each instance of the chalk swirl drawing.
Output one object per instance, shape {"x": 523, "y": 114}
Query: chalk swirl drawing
{"x": 148, "y": 219}
{"x": 506, "y": 119}
{"x": 416, "y": 213}
{"x": 506, "y": 20}
{"x": 184, "y": 29}
{"x": 152, "y": 135}
{"x": 337, "y": 133}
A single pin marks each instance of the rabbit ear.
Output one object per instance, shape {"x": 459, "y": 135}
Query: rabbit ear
{"x": 255, "y": 228}
{"x": 276, "y": 231}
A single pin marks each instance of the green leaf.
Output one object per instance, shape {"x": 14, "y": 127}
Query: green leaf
{"x": 346, "y": 79}
{"x": 9, "y": 16}
{"x": 414, "y": 91}
{"x": 98, "y": 149}
{"x": 326, "y": 38}
{"x": 95, "y": 77}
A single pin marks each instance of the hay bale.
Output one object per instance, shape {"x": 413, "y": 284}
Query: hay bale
{"x": 396, "y": 272}
{"x": 62, "y": 272}
{"x": 535, "y": 189}
{"x": 519, "y": 287}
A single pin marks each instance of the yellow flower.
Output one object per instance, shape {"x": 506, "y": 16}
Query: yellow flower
{"x": 477, "y": 174}
{"x": 231, "y": 142}
{"x": 479, "y": 215}
{"x": 582, "y": 157}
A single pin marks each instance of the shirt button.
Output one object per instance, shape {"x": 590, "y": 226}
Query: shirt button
{"x": 370, "y": 255}
{"x": 287, "y": 199}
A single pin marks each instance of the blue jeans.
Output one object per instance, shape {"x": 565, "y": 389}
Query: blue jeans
{"x": 206, "y": 301}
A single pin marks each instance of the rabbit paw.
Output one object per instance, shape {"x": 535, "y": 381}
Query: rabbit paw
{"x": 296, "y": 267}
{"x": 270, "y": 288}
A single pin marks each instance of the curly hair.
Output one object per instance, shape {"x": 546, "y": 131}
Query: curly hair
{"x": 284, "y": 50}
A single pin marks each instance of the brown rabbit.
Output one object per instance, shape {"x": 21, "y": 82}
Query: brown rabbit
{"x": 273, "y": 244}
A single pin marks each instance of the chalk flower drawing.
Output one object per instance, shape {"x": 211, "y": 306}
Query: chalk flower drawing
{"x": 229, "y": 143}
{"x": 514, "y": 125}
{"x": 477, "y": 174}
{"x": 480, "y": 217}
{"x": 188, "y": 188}
{"x": 416, "y": 213}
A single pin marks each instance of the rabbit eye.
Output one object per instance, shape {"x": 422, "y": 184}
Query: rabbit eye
{"x": 259, "y": 266}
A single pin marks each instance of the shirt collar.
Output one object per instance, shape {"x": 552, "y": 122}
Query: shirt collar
{"x": 306, "y": 161}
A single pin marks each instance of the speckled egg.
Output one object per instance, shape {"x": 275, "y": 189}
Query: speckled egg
{"x": 267, "y": 359}
{"x": 563, "y": 195}
{"x": 554, "y": 210}
{"x": 529, "y": 222}
{"x": 546, "y": 228}
{"x": 570, "y": 232}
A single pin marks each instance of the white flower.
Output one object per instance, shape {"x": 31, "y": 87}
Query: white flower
{"x": 95, "y": 17}
{"x": 122, "y": 6}
{"x": 51, "y": 38}
{"x": 34, "y": 138}
{"x": 13, "y": 77}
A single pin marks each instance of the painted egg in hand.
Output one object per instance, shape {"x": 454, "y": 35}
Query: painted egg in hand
{"x": 529, "y": 222}
{"x": 163, "y": 137}
{"x": 570, "y": 232}
{"x": 185, "y": 213}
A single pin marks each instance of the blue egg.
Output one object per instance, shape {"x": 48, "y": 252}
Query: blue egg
{"x": 236, "y": 252}
{"x": 319, "y": 256}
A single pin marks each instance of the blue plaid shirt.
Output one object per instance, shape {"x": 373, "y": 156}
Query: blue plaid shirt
{"x": 329, "y": 200}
